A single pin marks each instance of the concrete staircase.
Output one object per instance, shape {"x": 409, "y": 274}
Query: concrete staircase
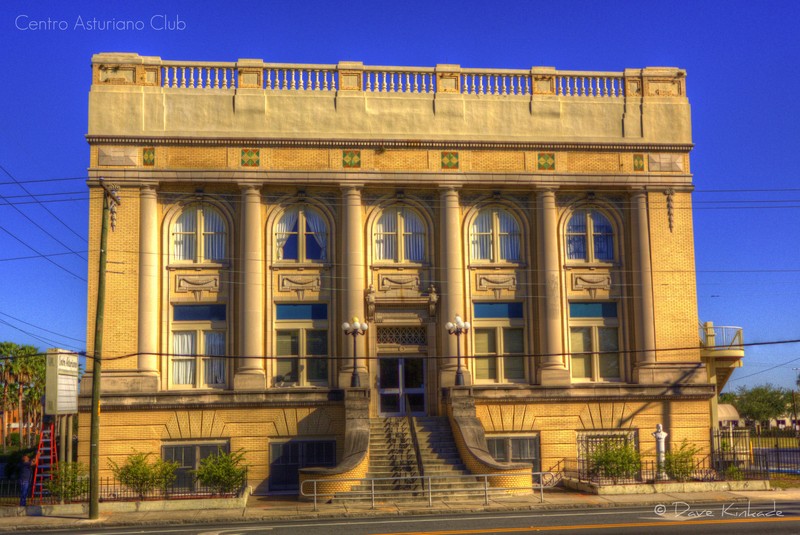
{"x": 396, "y": 463}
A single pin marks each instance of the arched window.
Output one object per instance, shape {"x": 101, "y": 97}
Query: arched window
{"x": 590, "y": 237}
{"x": 199, "y": 235}
{"x": 495, "y": 236}
{"x": 307, "y": 245}
{"x": 399, "y": 226}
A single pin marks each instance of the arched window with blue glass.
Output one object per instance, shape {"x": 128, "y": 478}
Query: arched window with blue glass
{"x": 399, "y": 236}
{"x": 301, "y": 235}
{"x": 496, "y": 236}
{"x": 590, "y": 236}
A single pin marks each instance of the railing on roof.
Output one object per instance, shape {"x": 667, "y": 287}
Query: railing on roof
{"x": 385, "y": 79}
{"x": 720, "y": 337}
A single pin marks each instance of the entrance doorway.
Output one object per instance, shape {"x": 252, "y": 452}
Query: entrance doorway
{"x": 401, "y": 386}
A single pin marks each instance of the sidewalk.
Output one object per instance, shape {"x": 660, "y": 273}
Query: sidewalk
{"x": 288, "y": 508}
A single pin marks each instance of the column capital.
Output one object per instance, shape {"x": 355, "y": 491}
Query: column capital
{"x": 247, "y": 188}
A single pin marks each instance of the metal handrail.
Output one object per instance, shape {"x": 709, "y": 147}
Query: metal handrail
{"x": 425, "y": 485}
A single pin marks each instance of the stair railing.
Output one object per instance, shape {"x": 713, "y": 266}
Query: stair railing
{"x": 415, "y": 440}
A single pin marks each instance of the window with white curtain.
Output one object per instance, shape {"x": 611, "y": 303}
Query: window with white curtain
{"x": 198, "y": 347}
{"x": 590, "y": 237}
{"x": 399, "y": 236}
{"x": 199, "y": 235}
{"x": 495, "y": 236}
{"x": 301, "y": 235}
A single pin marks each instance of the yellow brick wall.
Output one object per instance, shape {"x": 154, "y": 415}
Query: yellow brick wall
{"x": 192, "y": 157}
{"x": 397, "y": 160}
{"x": 248, "y": 429}
{"x": 301, "y": 159}
{"x": 592, "y": 162}
{"x": 674, "y": 281}
{"x": 518, "y": 478}
{"x": 494, "y": 161}
{"x": 122, "y": 274}
{"x": 558, "y": 424}
{"x": 331, "y": 484}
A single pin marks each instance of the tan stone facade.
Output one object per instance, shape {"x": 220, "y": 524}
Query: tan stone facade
{"x": 264, "y": 205}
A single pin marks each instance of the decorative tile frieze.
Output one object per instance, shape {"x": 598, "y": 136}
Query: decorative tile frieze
{"x": 638, "y": 162}
{"x": 251, "y": 158}
{"x": 546, "y": 161}
{"x": 450, "y": 160}
{"x": 149, "y": 156}
{"x": 351, "y": 159}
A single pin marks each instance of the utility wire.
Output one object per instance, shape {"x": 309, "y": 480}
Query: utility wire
{"x": 39, "y": 253}
{"x": 12, "y": 177}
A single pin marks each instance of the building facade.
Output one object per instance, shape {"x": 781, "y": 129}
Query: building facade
{"x": 264, "y": 205}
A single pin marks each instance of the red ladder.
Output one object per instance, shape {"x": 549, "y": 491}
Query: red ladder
{"x": 47, "y": 460}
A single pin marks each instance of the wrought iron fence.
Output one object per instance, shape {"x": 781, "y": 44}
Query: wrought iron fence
{"x": 112, "y": 490}
{"x": 708, "y": 468}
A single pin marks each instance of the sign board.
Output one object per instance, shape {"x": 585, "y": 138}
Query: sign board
{"x": 61, "y": 386}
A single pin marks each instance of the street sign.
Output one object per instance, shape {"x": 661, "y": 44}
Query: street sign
{"x": 61, "y": 386}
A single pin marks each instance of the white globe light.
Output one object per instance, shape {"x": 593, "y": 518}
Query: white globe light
{"x": 346, "y": 326}
{"x": 364, "y": 326}
{"x": 466, "y": 325}
{"x": 449, "y": 326}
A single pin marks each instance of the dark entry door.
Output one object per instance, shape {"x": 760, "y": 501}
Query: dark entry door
{"x": 401, "y": 380}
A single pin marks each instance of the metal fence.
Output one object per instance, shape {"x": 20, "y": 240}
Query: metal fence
{"x": 112, "y": 490}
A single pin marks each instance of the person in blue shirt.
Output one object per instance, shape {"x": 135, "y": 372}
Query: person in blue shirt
{"x": 25, "y": 477}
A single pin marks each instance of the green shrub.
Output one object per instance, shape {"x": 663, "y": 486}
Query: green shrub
{"x": 138, "y": 475}
{"x": 733, "y": 473}
{"x": 70, "y": 481}
{"x": 615, "y": 459}
{"x": 679, "y": 464}
{"x": 223, "y": 473}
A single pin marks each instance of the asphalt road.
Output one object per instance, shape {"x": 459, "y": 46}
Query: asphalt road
{"x": 676, "y": 517}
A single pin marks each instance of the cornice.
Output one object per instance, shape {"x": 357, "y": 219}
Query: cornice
{"x": 384, "y": 144}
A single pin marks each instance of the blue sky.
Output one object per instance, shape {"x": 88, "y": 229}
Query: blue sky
{"x": 743, "y": 85}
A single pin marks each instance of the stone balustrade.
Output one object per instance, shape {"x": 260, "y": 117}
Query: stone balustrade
{"x": 132, "y": 69}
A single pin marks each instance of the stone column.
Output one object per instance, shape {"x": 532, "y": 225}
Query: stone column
{"x": 250, "y": 373}
{"x": 643, "y": 280}
{"x": 354, "y": 274}
{"x": 553, "y": 370}
{"x": 451, "y": 254}
{"x": 147, "y": 336}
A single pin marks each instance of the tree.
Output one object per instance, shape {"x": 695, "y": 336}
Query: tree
{"x": 763, "y": 403}
{"x": 23, "y": 370}
{"x": 728, "y": 398}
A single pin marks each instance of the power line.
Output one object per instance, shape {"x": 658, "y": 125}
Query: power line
{"x": 42, "y": 328}
{"x": 59, "y": 266}
{"x": 12, "y": 177}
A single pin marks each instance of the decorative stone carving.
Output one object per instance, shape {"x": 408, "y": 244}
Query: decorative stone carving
{"x": 591, "y": 282}
{"x": 499, "y": 282}
{"x": 196, "y": 284}
{"x": 665, "y": 162}
{"x": 664, "y": 88}
{"x": 117, "y": 156}
{"x": 586, "y": 281}
{"x": 398, "y": 282}
{"x": 299, "y": 284}
{"x": 433, "y": 298}
{"x": 369, "y": 298}
{"x": 670, "y": 193}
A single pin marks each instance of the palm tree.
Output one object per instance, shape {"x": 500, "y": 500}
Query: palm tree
{"x": 21, "y": 370}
